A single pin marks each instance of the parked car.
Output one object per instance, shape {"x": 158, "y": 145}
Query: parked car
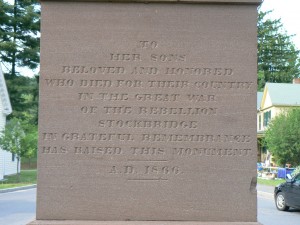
{"x": 288, "y": 194}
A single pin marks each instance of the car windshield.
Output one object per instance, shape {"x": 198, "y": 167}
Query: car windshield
{"x": 297, "y": 179}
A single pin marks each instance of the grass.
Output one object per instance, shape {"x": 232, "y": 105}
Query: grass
{"x": 270, "y": 182}
{"x": 27, "y": 177}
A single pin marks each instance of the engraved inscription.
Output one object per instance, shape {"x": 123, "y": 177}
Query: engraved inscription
{"x": 137, "y": 94}
{"x": 96, "y": 137}
{"x": 199, "y": 71}
{"x": 201, "y": 98}
{"x": 78, "y": 69}
{"x": 224, "y": 85}
{"x": 168, "y": 84}
{"x": 88, "y": 109}
{"x": 176, "y": 111}
{"x": 93, "y": 150}
{"x": 128, "y": 83}
{"x": 117, "y": 110}
{"x": 196, "y": 138}
{"x": 145, "y": 70}
{"x": 168, "y": 58}
{"x": 125, "y": 57}
{"x": 148, "y": 124}
{"x": 95, "y": 83}
{"x": 49, "y": 136}
{"x": 148, "y": 44}
{"x": 60, "y": 82}
{"x": 145, "y": 170}
{"x": 187, "y": 152}
{"x": 148, "y": 151}
{"x": 175, "y": 170}
{"x": 53, "y": 150}
{"x": 157, "y": 97}
{"x": 113, "y": 96}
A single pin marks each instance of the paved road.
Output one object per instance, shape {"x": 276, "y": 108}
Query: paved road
{"x": 18, "y": 208}
{"x": 267, "y": 212}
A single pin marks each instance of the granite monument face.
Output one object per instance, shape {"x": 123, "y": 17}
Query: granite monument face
{"x": 147, "y": 112}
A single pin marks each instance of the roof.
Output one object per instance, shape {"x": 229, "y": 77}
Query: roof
{"x": 4, "y": 95}
{"x": 284, "y": 94}
{"x": 259, "y": 99}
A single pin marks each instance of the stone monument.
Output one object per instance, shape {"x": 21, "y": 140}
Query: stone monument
{"x": 147, "y": 112}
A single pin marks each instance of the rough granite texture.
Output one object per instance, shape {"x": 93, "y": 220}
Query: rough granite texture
{"x": 147, "y": 113}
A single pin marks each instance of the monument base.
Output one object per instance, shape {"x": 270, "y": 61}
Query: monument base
{"x": 86, "y": 222}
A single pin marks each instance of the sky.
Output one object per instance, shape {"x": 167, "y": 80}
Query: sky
{"x": 287, "y": 10}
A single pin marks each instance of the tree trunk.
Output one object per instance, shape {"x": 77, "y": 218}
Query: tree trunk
{"x": 13, "y": 65}
{"x": 18, "y": 169}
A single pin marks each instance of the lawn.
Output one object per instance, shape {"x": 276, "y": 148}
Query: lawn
{"x": 27, "y": 177}
{"x": 270, "y": 182}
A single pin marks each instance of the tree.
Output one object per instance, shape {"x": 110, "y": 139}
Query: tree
{"x": 23, "y": 92}
{"x": 4, "y": 20}
{"x": 19, "y": 47}
{"x": 29, "y": 142}
{"x": 15, "y": 140}
{"x": 278, "y": 58}
{"x": 283, "y": 137}
{"x": 19, "y": 34}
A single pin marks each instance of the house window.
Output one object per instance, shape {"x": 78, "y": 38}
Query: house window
{"x": 13, "y": 157}
{"x": 259, "y": 122}
{"x": 267, "y": 118}
{"x": 264, "y": 149}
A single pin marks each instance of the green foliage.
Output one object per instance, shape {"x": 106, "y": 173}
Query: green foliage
{"x": 23, "y": 92}
{"x": 19, "y": 34}
{"x": 19, "y": 47}
{"x": 30, "y": 141}
{"x": 278, "y": 59}
{"x": 4, "y": 18}
{"x": 283, "y": 137}
{"x": 19, "y": 139}
{"x": 12, "y": 136}
{"x": 296, "y": 171}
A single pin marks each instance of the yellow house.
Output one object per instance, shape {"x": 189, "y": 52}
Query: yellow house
{"x": 276, "y": 98}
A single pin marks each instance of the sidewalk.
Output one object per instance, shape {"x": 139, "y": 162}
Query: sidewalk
{"x": 17, "y": 188}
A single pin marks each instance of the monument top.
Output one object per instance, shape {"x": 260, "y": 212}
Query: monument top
{"x": 175, "y": 1}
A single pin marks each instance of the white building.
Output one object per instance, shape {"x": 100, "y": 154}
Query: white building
{"x": 8, "y": 161}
